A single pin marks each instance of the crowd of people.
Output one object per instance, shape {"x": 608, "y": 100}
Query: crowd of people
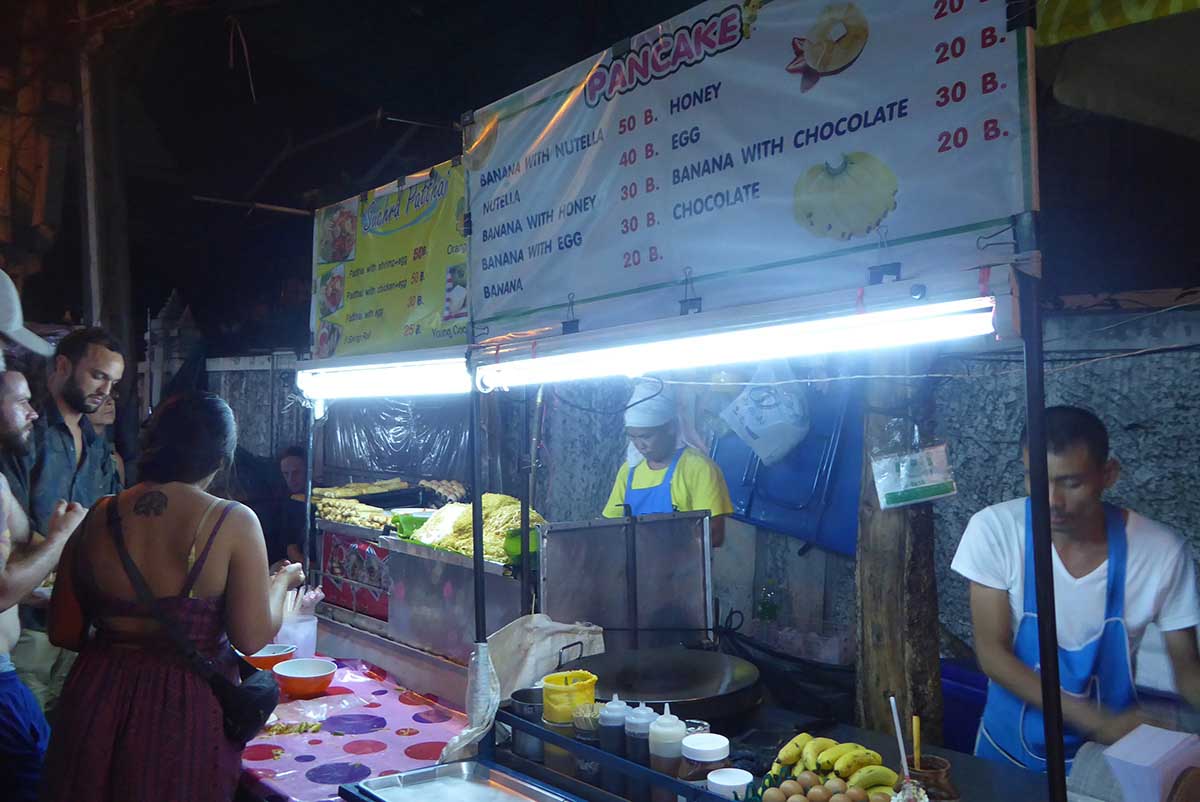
{"x": 97, "y": 701}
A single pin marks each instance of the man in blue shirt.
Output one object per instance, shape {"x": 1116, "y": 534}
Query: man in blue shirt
{"x": 67, "y": 460}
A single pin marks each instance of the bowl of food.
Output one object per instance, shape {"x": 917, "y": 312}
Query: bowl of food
{"x": 304, "y": 678}
{"x": 269, "y": 656}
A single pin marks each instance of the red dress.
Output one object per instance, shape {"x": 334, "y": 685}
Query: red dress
{"x": 135, "y": 722}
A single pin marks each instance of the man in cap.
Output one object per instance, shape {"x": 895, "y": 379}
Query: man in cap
{"x": 24, "y": 733}
{"x": 67, "y": 460}
{"x": 663, "y": 475}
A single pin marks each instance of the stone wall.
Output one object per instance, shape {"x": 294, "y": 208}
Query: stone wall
{"x": 267, "y": 421}
{"x": 1150, "y": 403}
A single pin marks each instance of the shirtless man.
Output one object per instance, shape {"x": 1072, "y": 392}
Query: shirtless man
{"x": 24, "y": 566}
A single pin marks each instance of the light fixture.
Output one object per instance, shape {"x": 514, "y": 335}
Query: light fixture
{"x": 436, "y": 376}
{"x": 909, "y": 325}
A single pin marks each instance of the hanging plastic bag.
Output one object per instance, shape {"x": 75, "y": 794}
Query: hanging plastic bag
{"x": 770, "y": 415}
{"x": 907, "y": 471}
{"x": 483, "y": 700}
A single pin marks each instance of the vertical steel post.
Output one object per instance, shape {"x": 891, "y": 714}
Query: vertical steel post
{"x": 477, "y": 512}
{"x": 308, "y": 486}
{"x": 1039, "y": 497}
{"x": 526, "y": 504}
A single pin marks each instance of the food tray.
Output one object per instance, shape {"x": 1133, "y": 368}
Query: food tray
{"x": 467, "y": 781}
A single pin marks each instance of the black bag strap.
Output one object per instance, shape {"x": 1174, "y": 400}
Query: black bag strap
{"x": 199, "y": 663}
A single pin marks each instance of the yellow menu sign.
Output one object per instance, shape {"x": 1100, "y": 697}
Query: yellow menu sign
{"x": 1063, "y": 20}
{"x": 390, "y": 268}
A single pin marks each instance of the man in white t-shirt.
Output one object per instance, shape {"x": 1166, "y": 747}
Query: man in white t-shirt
{"x": 1115, "y": 572}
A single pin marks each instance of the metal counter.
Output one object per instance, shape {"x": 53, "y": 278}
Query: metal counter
{"x": 647, "y": 581}
{"x": 432, "y": 598}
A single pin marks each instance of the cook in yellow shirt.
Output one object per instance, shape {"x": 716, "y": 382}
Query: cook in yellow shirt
{"x": 666, "y": 478}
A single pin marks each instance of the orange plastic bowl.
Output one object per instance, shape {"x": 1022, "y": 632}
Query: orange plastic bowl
{"x": 269, "y": 656}
{"x": 305, "y": 678}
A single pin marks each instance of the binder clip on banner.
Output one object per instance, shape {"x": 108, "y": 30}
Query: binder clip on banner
{"x": 909, "y": 472}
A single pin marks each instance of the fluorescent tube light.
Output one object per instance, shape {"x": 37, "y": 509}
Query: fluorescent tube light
{"x": 427, "y": 377}
{"x": 910, "y": 325}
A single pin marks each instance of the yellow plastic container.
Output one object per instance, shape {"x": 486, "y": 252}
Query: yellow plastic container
{"x": 564, "y": 691}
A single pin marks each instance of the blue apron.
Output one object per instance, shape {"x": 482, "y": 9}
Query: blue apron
{"x": 651, "y": 500}
{"x": 1100, "y": 670}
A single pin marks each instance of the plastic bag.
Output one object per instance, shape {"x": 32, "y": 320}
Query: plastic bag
{"x": 908, "y": 471}
{"x": 771, "y": 418}
{"x": 528, "y": 649}
{"x": 483, "y": 700}
{"x": 315, "y": 711}
{"x": 413, "y": 437}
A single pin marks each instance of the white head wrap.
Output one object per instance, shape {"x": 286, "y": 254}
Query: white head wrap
{"x": 652, "y": 404}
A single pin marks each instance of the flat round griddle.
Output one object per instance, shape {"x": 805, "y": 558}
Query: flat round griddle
{"x": 697, "y": 684}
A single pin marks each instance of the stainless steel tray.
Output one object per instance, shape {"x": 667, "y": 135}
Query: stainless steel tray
{"x": 467, "y": 781}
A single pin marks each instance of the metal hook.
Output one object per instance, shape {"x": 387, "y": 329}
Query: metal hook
{"x": 881, "y": 233}
{"x": 981, "y": 242}
{"x": 690, "y": 302}
{"x": 571, "y": 324}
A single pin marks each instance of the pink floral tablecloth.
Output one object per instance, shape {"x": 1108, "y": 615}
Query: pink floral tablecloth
{"x": 370, "y": 727}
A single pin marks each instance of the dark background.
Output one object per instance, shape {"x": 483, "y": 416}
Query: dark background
{"x": 1119, "y": 201}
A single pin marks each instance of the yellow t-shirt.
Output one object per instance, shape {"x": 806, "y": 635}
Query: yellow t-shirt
{"x": 696, "y": 485}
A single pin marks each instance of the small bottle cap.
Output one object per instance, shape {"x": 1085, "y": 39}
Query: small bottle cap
{"x": 639, "y": 720}
{"x": 613, "y": 714}
{"x": 706, "y": 747}
{"x": 668, "y": 727}
{"x": 729, "y": 781}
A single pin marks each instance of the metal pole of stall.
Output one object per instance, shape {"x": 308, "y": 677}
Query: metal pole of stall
{"x": 1039, "y": 497}
{"x": 526, "y": 503}
{"x": 477, "y": 512}
{"x": 308, "y": 486}
{"x": 535, "y": 450}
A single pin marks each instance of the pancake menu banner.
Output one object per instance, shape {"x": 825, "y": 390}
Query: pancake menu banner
{"x": 741, "y": 152}
{"x": 390, "y": 268}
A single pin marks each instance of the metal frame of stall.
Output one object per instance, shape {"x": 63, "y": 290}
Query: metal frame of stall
{"x": 316, "y": 409}
{"x": 1022, "y": 17}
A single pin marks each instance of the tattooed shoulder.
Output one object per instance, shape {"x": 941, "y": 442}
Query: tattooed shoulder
{"x": 151, "y": 504}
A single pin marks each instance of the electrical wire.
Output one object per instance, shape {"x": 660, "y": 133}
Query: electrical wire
{"x": 955, "y": 376}
{"x": 662, "y": 386}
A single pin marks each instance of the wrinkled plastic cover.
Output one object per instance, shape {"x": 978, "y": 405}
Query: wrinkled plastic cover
{"x": 422, "y": 437}
{"x": 483, "y": 700}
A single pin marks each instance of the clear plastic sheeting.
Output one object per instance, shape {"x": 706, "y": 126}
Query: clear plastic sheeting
{"x": 483, "y": 700}
{"x": 536, "y": 645}
{"x": 412, "y": 437}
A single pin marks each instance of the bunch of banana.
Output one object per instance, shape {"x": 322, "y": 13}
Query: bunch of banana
{"x": 871, "y": 778}
{"x": 857, "y": 765}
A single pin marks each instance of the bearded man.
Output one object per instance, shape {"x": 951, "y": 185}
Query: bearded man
{"x": 66, "y": 460}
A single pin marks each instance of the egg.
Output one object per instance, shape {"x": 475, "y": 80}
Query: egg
{"x": 856, "y": 795}
{"x": 839, "y": 798}
{"x": 819, "y": 793}
{"x": 774, "y": 795}
{"x": 798, "y": 798}
{"x": 880, "y": 796}
{"x": 836, "y": 785}
{"x": 807, "y": 780}
{"x": 791, "y": 788}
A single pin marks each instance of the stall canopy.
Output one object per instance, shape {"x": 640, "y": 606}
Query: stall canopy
{"x": 1064, "y": 20}
{"x": 1144, "y": 73}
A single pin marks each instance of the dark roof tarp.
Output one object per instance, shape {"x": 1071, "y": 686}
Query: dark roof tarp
{"x": 1063, "y": 20}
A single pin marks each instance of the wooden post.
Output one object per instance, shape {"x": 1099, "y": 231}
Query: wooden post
{"x": 898, "y": 631}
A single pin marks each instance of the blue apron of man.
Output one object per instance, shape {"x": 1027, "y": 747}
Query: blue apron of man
{"x": 652, "y": 500}
{"x": 1101, "y": 670}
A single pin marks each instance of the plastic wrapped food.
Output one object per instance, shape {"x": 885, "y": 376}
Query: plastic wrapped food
{"x": 450, "y": 527}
